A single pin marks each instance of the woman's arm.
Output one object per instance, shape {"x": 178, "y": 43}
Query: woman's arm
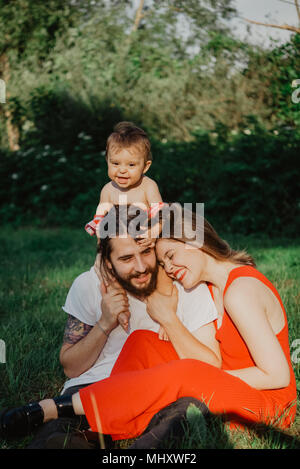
{"x": 244, "y": 302}
{"x": 199, "y": 345}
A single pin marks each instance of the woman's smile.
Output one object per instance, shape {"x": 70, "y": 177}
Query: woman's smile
{"x": 180, "y": 263}
{"x": 179, "y": 274}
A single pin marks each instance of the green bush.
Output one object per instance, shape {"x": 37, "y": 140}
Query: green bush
{"x": 247, "y": 180}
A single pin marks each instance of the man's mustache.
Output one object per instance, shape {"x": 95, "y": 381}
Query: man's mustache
{"x": 139, "y": 274}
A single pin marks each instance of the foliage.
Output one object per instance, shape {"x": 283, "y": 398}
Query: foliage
{"x": 84, "y": 58}
{"x": 148, "y": 74}
{"x": 30, "y": 28}
{"x": 218, "y": 103}
{"x": 274, "y": 72}
{"x": 91, "y": 72}
{"x": 247, "y": 180}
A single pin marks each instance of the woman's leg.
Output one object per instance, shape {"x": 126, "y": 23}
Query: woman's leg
{"x": 124, "y": 404}
{"x": 143, "y": 349}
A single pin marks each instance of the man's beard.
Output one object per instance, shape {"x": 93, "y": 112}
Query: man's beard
{"x": 143, "y": 291}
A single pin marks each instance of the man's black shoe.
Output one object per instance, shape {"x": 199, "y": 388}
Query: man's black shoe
{"x": 20, "y": 421}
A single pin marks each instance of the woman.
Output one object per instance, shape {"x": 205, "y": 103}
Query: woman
{"x": 241, "y": 371}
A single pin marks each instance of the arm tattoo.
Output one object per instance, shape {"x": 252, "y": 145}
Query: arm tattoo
{"x": 75, "y": 330}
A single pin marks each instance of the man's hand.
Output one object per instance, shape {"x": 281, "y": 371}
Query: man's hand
{"x": 162, "y": 308}
{"x": 114, "y": 306}
{"x": 109, "y": 280}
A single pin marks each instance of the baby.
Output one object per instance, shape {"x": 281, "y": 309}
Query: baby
{"x": 128, "y": 156}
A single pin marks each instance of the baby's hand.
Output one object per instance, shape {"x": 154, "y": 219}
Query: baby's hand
{"x": 109, "y": 282}
{"x": 152, "y": 232}
{"x": 123, "y": 320}
{"x": 146, "y": 242}
{"x": 162, "y": 334}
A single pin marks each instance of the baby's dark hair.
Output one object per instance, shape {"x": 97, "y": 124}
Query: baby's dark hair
{"x": 125, "y": 135}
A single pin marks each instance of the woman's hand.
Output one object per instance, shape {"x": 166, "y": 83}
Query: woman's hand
{"x": 162, "y": 308}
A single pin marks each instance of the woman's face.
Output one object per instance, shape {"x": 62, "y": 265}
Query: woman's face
{"x": 181, "y": 261}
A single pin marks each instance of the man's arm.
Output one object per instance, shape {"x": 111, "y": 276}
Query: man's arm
{"x": 75, "y": 330}
{"x": 82, "y": 345}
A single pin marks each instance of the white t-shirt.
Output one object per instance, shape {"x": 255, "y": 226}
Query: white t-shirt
{"x": 195, "y": 309}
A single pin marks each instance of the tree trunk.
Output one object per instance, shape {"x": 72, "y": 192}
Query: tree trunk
{"x": 138, "y": 16}
{"x": 12, "y": 130}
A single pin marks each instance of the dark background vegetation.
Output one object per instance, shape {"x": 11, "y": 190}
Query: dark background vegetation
{"x": 218, "y": 110}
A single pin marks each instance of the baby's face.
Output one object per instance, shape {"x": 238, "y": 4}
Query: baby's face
{"x": 126, "y": 167}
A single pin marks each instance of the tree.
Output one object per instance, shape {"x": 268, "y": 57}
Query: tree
{"x": 188, "y": 24}
{"x": 30, "y": 28}
{"x": 286, "y": 27}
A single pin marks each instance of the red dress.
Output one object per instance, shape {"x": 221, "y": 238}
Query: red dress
{"x": 149, "y": 375}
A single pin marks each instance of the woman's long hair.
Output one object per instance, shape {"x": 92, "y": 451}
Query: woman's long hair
{"x": 212, "y": 245}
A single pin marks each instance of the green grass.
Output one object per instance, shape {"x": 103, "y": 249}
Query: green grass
{"x": 37, "y": 270}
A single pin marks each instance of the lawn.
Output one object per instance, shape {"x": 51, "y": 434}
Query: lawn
{"x": 37, "y": 270}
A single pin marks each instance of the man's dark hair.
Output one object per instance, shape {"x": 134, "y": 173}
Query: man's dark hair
{"x": 119, "y": 221}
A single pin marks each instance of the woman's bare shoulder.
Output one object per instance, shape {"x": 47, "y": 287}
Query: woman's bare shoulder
{"x": 241, "y": 289}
